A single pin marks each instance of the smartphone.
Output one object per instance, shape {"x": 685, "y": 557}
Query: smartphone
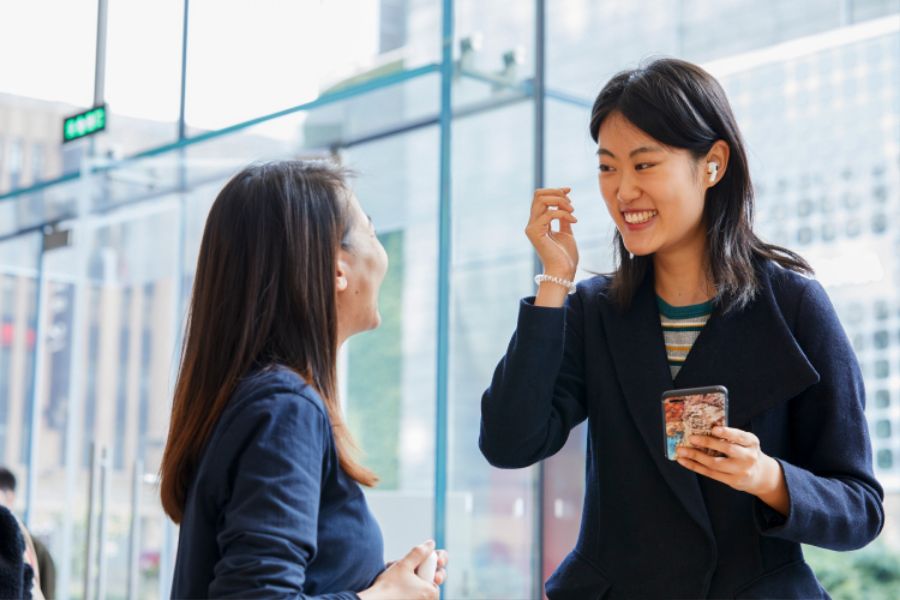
{"x": 693, "y": 411}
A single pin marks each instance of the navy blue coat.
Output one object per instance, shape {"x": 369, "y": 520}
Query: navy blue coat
{"x": 270, "y": 512}
{"x": 651, "y": 528}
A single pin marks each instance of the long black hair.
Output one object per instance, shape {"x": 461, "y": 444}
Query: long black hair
{"x": 267, "y": 258}
{"x": 682, "y": 106}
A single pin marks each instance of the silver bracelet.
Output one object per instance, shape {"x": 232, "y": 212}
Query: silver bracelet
{"x": 538, "y": 279}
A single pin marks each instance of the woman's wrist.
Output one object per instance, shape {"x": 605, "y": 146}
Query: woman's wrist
{"x": 551, "y": 295}
{"x": 773, "y": 489}
{"x": 567, "y": 274}
{"x": 568, "y": 284}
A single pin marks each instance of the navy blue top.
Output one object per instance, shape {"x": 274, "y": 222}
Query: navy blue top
{"x": 270, "y": 511}
{"x": 651, "y": 528}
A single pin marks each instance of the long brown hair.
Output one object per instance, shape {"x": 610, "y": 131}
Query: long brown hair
{"x": 264, "y": 294}
{"x": 682, "y": 106}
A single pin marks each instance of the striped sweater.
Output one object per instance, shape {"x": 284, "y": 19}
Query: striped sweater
{"x": 681, "y": 325}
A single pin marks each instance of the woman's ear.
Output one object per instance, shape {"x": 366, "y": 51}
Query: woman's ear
{"x": 340, "y": 273}
{"x": 716, "y": 162}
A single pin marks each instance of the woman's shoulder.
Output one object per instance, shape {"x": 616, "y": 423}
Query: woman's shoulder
{"x": 791, "y": 287}
{"x": 272, "y": 392}
{"x": 784, "y": 279}
{"x": 802, "y": 298}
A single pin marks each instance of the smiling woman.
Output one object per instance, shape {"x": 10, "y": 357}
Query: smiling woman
{"x": 697, "y": 300}
{"x": 681, "y": 155}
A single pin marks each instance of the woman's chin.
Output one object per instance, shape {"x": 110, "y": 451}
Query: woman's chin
{"x": 640, "y": 249}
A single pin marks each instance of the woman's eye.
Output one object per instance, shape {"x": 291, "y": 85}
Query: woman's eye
{"x": 605, "y": 168}
{"x": 642, "y": 166}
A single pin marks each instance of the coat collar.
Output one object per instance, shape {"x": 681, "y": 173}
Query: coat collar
{"x": 752, "y": 352}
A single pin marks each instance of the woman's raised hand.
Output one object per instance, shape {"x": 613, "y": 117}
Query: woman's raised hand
{"x": 557, "y": 249}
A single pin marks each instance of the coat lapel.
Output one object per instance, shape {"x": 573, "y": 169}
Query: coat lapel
{"x": 752, "y": 352}
{"x": 639, "y": 355}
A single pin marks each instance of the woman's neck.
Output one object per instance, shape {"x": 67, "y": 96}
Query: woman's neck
{"x": 683, "y": 278}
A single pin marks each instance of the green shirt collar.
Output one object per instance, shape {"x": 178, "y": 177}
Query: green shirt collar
{"x": 684, "y": 312}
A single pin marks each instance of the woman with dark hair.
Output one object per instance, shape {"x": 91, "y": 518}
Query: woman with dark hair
{"x": 697, "y": 299}
{"x": 258, "y": 467}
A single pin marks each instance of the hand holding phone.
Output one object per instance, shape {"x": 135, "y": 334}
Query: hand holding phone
{"x": 692, "y": 411}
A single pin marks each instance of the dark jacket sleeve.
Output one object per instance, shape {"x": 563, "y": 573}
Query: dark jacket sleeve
{"x": 835, "y": 500}
{"x": 537, "y": 393}
{"x": 268, "y": 528}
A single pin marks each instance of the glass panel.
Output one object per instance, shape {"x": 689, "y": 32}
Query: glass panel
{"x": 388, "y": 374}
{"x": 29, "y": 209}
{"x": 406, "y": 105}
{"x": 143, "y": 76}
{"x": 380, "y": 39}
{"x": 494, "y": 47}
{"x": 38, "y": 88}
{"x": 579, "y": 31}
{"x": 142, "y": 81}
{"x": 111, "y": 306}
{"x": 143, "y": 69}
{"x": 18, "y": 321}
{"x": 491, "y": 512}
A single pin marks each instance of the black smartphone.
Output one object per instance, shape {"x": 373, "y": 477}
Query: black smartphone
{"x": 692, "y": 411}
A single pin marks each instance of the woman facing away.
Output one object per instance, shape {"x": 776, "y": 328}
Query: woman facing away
{"x": 258, "y": 468}
{"x": 697, "y": 299}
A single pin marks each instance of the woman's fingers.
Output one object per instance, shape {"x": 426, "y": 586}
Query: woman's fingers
{"x": 542, "y": 224}
{"x": 736, "y": 436}
{"x": 443, "y": 558}
{"x": 417, "y": 555}
{"x": 543, "y": 207}
{"x": 721, "y": 464}
{"x": 546, "y": 198}
{"x": 718, "y": 444}
{"x": 702, "y": 469}
{"x": 440, "y": 576}
{"x": 559, "y": 255}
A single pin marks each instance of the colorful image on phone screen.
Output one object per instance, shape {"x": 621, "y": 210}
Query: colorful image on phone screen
{"x": 693, "y": 414}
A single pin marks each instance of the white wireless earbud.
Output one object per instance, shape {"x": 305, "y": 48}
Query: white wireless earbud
{"x": 713, "y": 169}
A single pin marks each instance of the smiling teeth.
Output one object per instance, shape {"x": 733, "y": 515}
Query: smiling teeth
{"x": 640, "y": 217}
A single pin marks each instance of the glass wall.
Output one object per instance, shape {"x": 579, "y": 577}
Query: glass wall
{"x": 99, "y": 318}
{"x": 387, "y": 374}
{"x": 494, "y": 536}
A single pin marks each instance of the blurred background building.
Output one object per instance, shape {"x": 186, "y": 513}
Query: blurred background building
{"x": 98, "y": 237}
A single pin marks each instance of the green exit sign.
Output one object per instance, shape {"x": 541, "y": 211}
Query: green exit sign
{"x": 84, "y": 123}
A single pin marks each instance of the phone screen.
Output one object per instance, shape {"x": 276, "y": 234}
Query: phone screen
{"x": 693, "y": 412}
